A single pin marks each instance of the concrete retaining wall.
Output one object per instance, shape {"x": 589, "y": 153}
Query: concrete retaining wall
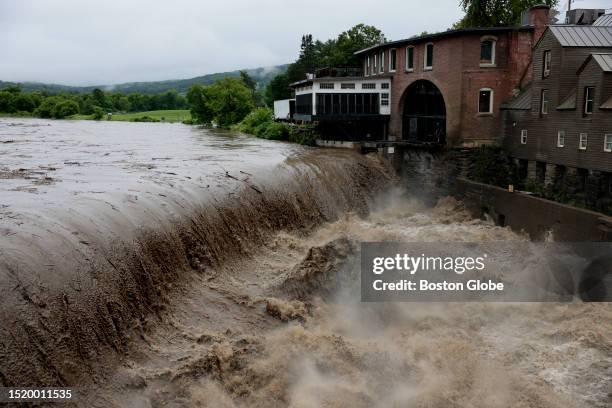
{"x": 536, "y": 216}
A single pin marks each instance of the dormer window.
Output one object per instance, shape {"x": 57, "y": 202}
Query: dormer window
{"x": 487, "y": 52}
{"x": 382, "y": 62}
{"x": 546, "y": 64}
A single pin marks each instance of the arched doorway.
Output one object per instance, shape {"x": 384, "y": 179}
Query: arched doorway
{"x": 424, "y": 116}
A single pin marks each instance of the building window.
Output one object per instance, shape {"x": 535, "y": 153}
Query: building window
{"x": 546, "y": 67}
{"x": 561, "y": 138}
{"x": 368, "y": 85}
{"x": 544, "y": 102}
{"x": 384, "y": 99}
{"x": 487, "y": 52}
{"x": 409, "y": 59}
{"x": 326, "y": 85}
{"x": 392, "y": 59}
{"x": 384, "y": 85}
{"x": 608, "y": 142}
{"x": 428, "y": 63}
{"x": 347, "y": 85}
{"x": 485, "y": 101}
{"x": 582, "y": 145}
{"x": 524, "y": 136}
{"x": 382, "y": 61}
{"x": 374, "y": 67}
{"x": 589, "y": 93}
{"x": 367, "y": 70}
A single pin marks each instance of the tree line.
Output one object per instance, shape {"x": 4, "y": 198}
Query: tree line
{"x": 96, "y": 103}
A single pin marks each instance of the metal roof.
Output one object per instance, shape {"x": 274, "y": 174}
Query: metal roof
{"x": 607, "y": 104}
{"x": 521, "y": 102}
{"x": 582, "y": 36}
{"x": 569, "y": 102}
{"x": 604, "y": 61}
{"x": 605, "y": 20}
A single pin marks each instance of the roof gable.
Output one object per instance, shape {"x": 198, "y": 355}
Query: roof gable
{"x": 603, "y": 60}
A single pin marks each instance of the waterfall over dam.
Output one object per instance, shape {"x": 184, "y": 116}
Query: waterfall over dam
{"x": 165, "y": 265}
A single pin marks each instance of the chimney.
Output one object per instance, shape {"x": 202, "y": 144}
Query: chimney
{"x": 538, "y": 17}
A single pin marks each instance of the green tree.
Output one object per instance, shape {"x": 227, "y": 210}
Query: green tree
{"x": 65, "y": 108}
{"x": 496, "y": 13}
{"x": 230, "y": 100}
{"x": 99, "y": 98}
{"x": 47, "y": 107}
{"x": 278, "y": 89}
{"x": 198, "y": 98}
{"x": 6, "y": 102}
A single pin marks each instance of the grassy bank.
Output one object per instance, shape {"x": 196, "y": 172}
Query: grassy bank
{"x": 176, "y": 115}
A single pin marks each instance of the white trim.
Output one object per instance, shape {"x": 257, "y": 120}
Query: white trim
{"x": 546, "y": 63}
{"x": 381, "y": 69}
{"x": 490, "y": 100}
{"x": 391, "y": 69}
{"x": 561, "y": 138}
{"x": 586, "y": 99}
{"x": 523, "y": 136}
{"x": 586, "y": 141}
{"x": 425, "y": 66}
{"x": 542, "y": 92}
{"x": 606, "y": 136}
{"x": 406, "y": 59}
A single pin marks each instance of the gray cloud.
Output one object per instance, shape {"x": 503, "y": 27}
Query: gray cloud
{"x": 81, "y": 42}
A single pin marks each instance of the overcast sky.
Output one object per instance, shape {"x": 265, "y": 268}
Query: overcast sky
{"x": 86, "y": 42}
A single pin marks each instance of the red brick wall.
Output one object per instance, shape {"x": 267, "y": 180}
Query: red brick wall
{"x": 459, "y": 76}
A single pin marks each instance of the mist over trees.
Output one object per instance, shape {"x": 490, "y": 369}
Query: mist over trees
{"x": 316, "y": 54}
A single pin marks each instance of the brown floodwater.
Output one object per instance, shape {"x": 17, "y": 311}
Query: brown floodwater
{"x": 155, "y": 265}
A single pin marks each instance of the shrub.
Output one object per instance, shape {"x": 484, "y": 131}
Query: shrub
{"x": 276, "y": 131}
{"x": 98, "y": 113}
{"x": 65, "y": 108}
{"x": 145, "y": 118}
{"x": 254, "y": 120}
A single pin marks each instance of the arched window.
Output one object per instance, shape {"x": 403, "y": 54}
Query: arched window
{"x": 487, "y": 51}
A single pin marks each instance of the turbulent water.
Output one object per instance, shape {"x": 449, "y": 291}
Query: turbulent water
{"x": 223, "y": 272}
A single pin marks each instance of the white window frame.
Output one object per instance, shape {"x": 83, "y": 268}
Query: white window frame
{"x": 547, "y": 57}
{"x": 608, "y": 142}
{"x": 391, "y": 67}
{"x": 327, "y": 85}
{"x": 425, "y": 66}
{"x": 381, "y": 69}
{"x": 375, "y": 65}
{"x": 561, "y": 138}
{"x": 542, "y": 93}
{"x": 490, "y": 101}
{"x": 367, "y": 70}
{"x": 583, "y": 137}
{"x": 523, "y": 136}
{"x": 587, "y": 99}
{"x": 493, "y": 63}
{"x": 409, "y": 69}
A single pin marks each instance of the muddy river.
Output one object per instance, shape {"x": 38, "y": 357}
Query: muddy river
{"x": 151, "y": 265}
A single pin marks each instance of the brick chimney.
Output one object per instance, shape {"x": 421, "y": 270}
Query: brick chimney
{"x": 538, "y": 17}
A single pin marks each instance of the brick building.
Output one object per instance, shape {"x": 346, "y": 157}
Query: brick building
{"x": 449, "y": 86}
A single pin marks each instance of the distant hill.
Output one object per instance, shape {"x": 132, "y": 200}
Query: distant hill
{"x": 262, "y": 76}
